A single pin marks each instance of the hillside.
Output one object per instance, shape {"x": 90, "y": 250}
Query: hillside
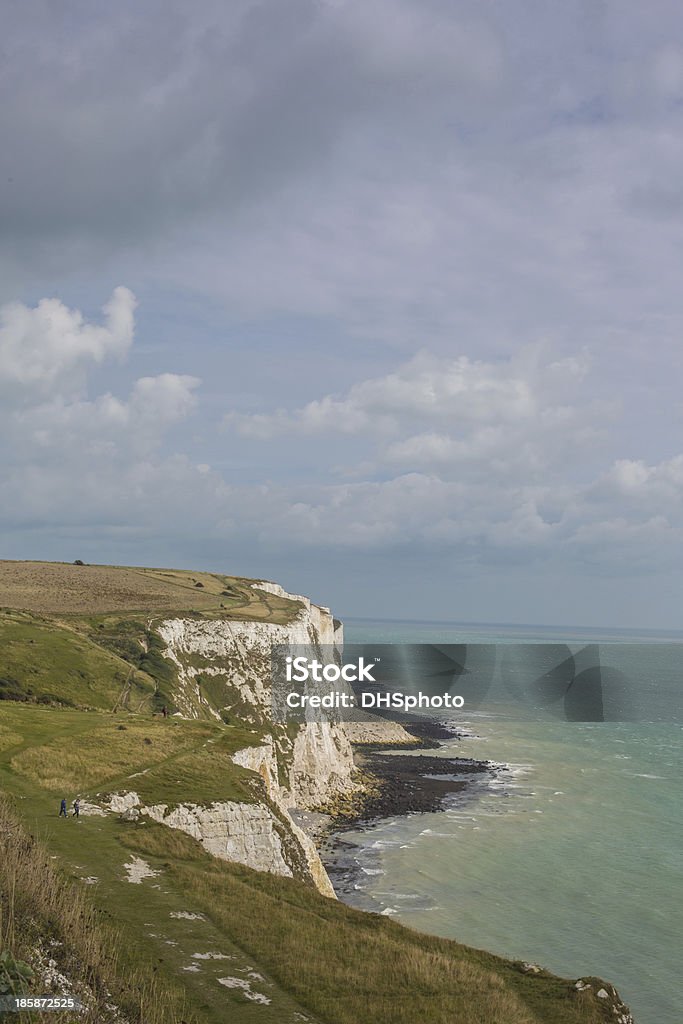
{"x": 178, "y": 812}
{"x": 64, "y": 589}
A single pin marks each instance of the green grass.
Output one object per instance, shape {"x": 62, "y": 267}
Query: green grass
{"x": 84, "y": 636}
{"x": 202, "y": 776}
{"x": 96, "y": 847}
{"x": 306, "y": 954}
{"x": 44, "y": 662}
{"x": 88, "y": 676}
{"x": 69, "y": 752}
{"x": 40, "y": 906}
{"x": 346, "y": 966}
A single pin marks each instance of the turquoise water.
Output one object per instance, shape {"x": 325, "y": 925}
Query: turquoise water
{"x": 572, "y": 858}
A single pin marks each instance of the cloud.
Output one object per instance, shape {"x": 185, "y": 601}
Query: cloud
{"x": 67, "y": 455}
{"x": 513, "y": 456}
{"x": 462, "y": 457}
{"x": 127, "y": 128}
{"x": 429, "y": 388}
{"x": 106, "y": 424}
{"x": 520, "y": 417}
{"x": 305, "y": 197}
{"x": 41, "y": 348}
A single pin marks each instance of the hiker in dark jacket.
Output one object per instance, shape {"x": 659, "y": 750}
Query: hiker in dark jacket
{"x": 62, "y": 808}
{"x": 77, "y": 808}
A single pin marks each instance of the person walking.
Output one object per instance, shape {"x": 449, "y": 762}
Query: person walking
{"x": 77, "y": 808}
{"x": 62, "y": 808}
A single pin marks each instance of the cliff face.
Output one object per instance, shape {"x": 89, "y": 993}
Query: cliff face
{"x": 223, "y": 670}
{"x": 260, "y": 834}
{"x": 262, "y": 760}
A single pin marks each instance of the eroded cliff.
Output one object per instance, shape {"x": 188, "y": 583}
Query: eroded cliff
{"x": 222, "y": 670}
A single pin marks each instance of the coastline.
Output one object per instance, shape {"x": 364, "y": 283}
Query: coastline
{"x": 398, "y": 781}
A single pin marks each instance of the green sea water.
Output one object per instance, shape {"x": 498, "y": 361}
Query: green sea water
{"x": 571, "y": 858}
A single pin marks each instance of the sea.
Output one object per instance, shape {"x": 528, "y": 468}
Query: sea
{"x": 571, "y": 857}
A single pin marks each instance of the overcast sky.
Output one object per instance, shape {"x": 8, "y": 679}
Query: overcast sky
{"x": 382, "y": 299}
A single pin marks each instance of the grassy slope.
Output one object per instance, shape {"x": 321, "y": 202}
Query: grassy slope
{"x": 304, "y": 953}
{"x": 64, "y": 590}
{"x": 313, "y": 956}
{"x": 82, "y": 635}
{"x": 310, "y": 957}
{"x": 38, "y": 745}
{"x": 45, "y": 661}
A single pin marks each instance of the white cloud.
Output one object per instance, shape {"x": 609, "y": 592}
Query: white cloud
{"x": 43, "y": 347}
{"x": 164, "y": 399}
{"x": 433, "y": 389}
{"x": 513, "y": 456}
{"x": 105, "y": 424}
{"x": 521, "y": 418}
{"x": 469, "y": 456}
{"x": 69, "y": 456}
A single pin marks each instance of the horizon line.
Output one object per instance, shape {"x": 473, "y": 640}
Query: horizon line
{"x": 531, "y": 625}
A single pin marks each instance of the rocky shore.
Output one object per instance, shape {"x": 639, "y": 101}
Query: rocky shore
{"x": 395, "y": 783}
{"x": 398, "y": 783}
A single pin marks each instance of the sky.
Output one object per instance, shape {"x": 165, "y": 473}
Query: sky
{"x": 380, "y": 299}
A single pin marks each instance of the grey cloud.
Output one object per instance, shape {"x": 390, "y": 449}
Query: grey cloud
{"x": 432, "y": 389}
{"x": 141, "y": 119}
{"x": 304, "y": 195}
{"x": 105, "y": 460}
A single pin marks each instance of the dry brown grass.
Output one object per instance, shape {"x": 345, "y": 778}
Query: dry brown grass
{"x": 59, "y": 588}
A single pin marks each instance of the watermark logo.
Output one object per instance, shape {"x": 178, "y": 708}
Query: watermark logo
{"x": 301, "y": 669}
{"x": 404, "y": 682}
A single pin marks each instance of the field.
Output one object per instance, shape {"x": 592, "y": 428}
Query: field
{"x": 81, "y": 635}
{"x": 64, "y": 589}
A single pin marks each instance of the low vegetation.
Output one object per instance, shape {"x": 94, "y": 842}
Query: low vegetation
{"x": 43, "y": 662}
{"x": 46, "y": 918}
{"x": 64, "y": 589}
{"x": 138, "y": 915}
{"x": 346, "y": 966}
{"x": 72, "y": 753}
{"x": 313, "y": 955}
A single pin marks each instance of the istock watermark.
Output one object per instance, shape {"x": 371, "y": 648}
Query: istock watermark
{"x": 302, "y": 669}
{"x": 406, "y": 682}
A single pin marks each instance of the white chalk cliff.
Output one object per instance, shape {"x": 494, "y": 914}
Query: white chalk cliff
{"x": 223, "y": 668}
{"x": 319, "y": 758}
